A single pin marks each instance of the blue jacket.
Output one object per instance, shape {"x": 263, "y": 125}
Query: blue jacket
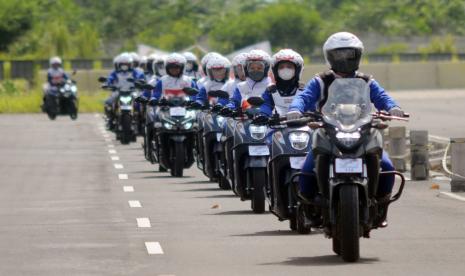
{"x": 236, "y": 99}
{"x": 114, "y": 76}
{"x": 158, "y": 90}
{"x": 202, "y": 97}
{"x": 51, "y": 73}
{"x": 308, "y": 100}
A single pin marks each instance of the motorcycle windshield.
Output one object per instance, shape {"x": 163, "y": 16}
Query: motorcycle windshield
{"x": 348, "y": 105}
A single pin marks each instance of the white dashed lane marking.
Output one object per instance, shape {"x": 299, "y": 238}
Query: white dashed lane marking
{"x": 153, "y": 248}
{"x": 115, "y": 158}
{"x": 119, "y": 166}
{"x": 123, "y": 176}
{"x": 112, "y": 151}
{"x": 128, "y": 189}
{"x": 111, "y": 146}
{"x": 143, "y": 223}
{"x": 134, "y": 204}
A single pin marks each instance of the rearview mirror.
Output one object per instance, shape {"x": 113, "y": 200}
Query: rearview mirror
{"x": 190, "y": 91}
{"x": 219, "y": 93}
{"x": 102, "y": 79}
{"x": 256, "y": 101}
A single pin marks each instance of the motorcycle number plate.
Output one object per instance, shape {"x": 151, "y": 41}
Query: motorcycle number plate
{"x": 126, "y": 107}
{"x": 297, "y": 162}
{"x": 218, "y": 137}
{"x": 261, "y": 150}
{"x": 349, "y": 165}
{"x": 177, "y": 111}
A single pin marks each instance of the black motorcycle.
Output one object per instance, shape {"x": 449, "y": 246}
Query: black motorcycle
{"x": 174, "y": 133}
{"x": 62, "y": 100}
{"x": 347, "y": 148}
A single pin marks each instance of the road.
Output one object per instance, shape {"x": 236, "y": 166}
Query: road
{"x": 64, "y": 210}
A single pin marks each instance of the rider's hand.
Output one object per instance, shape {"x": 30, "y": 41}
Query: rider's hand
{"x": 226, "y": 111}
{"x": 293, "y": 115}
{"x": 195, "y": 105}
{"x": 260, "y": 119}
{"x": 396, "y": 111}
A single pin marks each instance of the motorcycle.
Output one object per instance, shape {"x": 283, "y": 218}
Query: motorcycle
{"x": 289, "y": 147}
{"x": 347, "y": 148}
{"x": 123, "y": 110}
{"x": 174, "y": 130}
{"x": 250, "y": 155}
{"x": 62, "y": 100}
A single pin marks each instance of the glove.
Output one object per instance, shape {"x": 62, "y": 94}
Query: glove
{"x": 195, "y": 105}
{"x": 396, "y": 111}
{"x": 153, "y": 102}
{"x": 226, "y": 111}
{"x": 217, "y": 108}
{"x": 260, "y": 119}
{"x": 293, "y": 115}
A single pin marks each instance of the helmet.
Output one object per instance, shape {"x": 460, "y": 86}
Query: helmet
{"x": 135, "y": 59}
{"x": 204, "y": 60}
{"x": 115, "y": 61}
{"x": 287, "y": 55}
{"x": 55, "y": 60}
{"x": 218, "y": 62}
{"x": 150, "y": 60}
{"x": 192, "y": 63}
{"x": 343, "y": 52}
{"x": 257, "y": 56}
{"x": 175, "y": 60}
{"x": 158, "y": 65}
{"x": 124, "y": 62}
{"x": 143, "y": 61}
{"x": 238, "y": 63}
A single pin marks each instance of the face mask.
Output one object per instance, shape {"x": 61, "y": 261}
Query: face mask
{"x": 256, "y": 75}
{"x": 124, "y": 67}
{"x": 286, "y": 73}
{"x": 189, "y": 67}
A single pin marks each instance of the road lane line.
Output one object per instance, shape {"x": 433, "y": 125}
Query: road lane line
{"x": 112, "y": 151}
{"x": 128, "y": 189}
{"x": 111, "y": 146}
{"x": 143, "y": 223}
{"x": 115, "y": 158}
{"x": 123, "y": 176}
{"x": 134, "y": 204}
{"x": 118, "y": 166}
{"x": 454, "y": 196}
{"x": 153, "y": 248}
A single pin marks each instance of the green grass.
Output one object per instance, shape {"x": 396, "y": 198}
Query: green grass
{"x": 15, "y": 97}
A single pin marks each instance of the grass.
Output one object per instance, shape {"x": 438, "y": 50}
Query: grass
{"x": 16, "y": 97}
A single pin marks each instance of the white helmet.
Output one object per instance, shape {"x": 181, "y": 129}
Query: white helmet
{"x": 55, "y": 60}
{"x": 238, "y": 63}
{"x": 150, "y": 60}
{"x": 192, "y": 63}
{"x": 175, "y": 60}
{"x": 343, "y": 52}
{"x": 218, "y": 62}
{"x": 124, "y": 61}
{"x": 259, "y": 56}
{"x": 158, "y": 65}
{"x": 287, "y": 55}
{"x": 135, "y": 59}
{"x": 204, "y": 60}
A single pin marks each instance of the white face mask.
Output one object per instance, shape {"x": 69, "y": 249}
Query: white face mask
{"x": 286, "y": 73}
{"x": 189, "y": 66}
{"x": 124, "y": 67}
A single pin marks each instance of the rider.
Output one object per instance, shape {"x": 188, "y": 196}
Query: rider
{"x": 238, "y": 65}
{"x": 136, "y": 62}
{"x": 56, "y": 76}
{"x": 192, "y": 66}
{"x": 204, "y": 62}
{"x": 343, "y": 52}
{"x": 256, "y": 70}
{"x": 149, "y": 72}
{"x": 218, "y": 71}
{"x": 158, "y": 66}
{"x": 119, "y": 78}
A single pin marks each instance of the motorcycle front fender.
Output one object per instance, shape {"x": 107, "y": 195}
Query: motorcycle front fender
{"x": 178, "y": 138}
{"x": 256, "y": 162}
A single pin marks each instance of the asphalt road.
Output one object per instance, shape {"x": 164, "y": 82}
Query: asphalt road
{"x": 65, "y": 209}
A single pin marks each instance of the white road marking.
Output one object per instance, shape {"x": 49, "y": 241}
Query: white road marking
{"x": 118, "y": 166}
{"x": 153, "y": 248}
{"x": 134, "y": 204}
{"x": 128, "y": 189}
{"x": 115, "y": 158}
{"x": 452, "y": 195}
{"x": 111, "y": 146}
{"x": 143, "y": 223}
{"x": 112, "y": 151}
{"x": 123, "y": 176}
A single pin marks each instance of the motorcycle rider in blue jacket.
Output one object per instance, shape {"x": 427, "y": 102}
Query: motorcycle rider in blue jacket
{"x": 56, "y": 76}
{"x": 343, "y": 52}
{"x": 218, "y": 68}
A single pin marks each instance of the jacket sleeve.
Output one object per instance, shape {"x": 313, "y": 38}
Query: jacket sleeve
{"x": 380, "y": 98}
{"x": 112, "y": 78}
{"x": 156, "y": 93}
{"x": 194, "y": 84}
{"x": 308, "y": 99}
{"x": 236, "y": 100}
{"x": 138, "y": 76}
{"x": 49, "y": 78}
{"x": 268, "y": 106}
{"x": 201, "y": 98}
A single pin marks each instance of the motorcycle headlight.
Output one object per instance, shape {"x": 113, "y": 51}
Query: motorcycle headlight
{"x": 73, "y": 89}
{"x": 348, "y": 139}
{"x": 299, "y": 140}
{"x": 257, "y": 132}
{"x": 220, "y": 120}
{"x": 67, "y": 87}
{"x": 126, "y": 99}
{"x": 167, "y": 125}
{"x": 187, "y": 125}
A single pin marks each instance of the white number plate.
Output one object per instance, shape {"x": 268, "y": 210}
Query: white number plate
{"x": 261, "y": 150}
{"x": 218, "y": 137}
{"x": 297, "y": 162}
{"x": 177, "y": 111}
{"x": 349, "y": 165}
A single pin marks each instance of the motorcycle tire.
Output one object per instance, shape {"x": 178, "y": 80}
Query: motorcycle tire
{"x": 301, "y": 226}
{"x": 126, "y": 133}
{"x": 258, "y": 178}
{"x": 177, "y": 163}
{"x": 348, "y": 223}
